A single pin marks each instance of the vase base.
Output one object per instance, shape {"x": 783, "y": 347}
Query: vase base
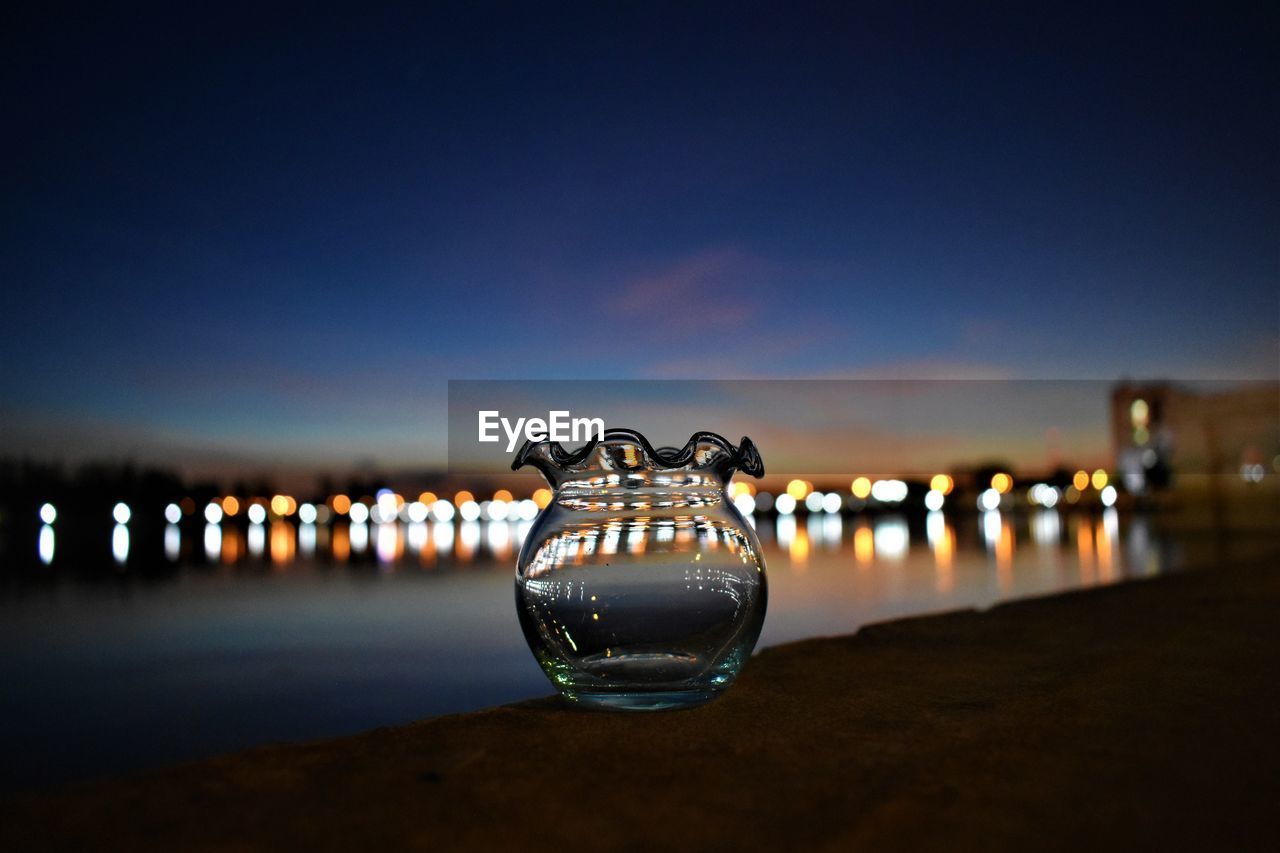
{"x": 656, "y": 701}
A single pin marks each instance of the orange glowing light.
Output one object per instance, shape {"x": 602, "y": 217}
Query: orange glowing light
{"x": 1004, "y": 557}
{"x": 861, "y": 487}
{"x": 944, "y": 556}
{"x": 427, "y": 498}
{"x": 542, "y": 497}
{"x": 798, "y": 489}
{"x": 282, "y": 542}
{"x": 1103, "y": 540}
{"x": 941, "y": 483}
{"x": 502, "y": 495}
{"x": 341, "y": 541}
{"x": 1139, "y": 413}
{"x": 462, "y": 497}
{"x": 1080, "y": 480}
{"x": 799, "y": 550}
{"x": 280, "y": 505}
{"x": 341, "y": 504}
{"x": 1099, "y": 479}
{"x": 230, "y": 506}
{"x": 864, "y": 546}
{"x": 1002, "y": 483}
{"x": 231, "y": 540}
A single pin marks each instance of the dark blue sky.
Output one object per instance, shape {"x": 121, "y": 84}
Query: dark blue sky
{"x": 276, "y": 236}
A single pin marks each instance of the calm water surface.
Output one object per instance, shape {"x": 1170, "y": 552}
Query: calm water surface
{"x": 197, "y": 641}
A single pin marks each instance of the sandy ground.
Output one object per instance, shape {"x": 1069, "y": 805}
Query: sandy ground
{"x": 1140, "y": 716}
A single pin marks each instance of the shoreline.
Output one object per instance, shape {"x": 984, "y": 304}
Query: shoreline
{"x": 1136, "y": 713}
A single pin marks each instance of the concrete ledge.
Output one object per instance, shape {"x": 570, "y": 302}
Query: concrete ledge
{"x": 1143, "y": 715}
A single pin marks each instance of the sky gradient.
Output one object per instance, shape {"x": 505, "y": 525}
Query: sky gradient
{"x": 276, "y": 235}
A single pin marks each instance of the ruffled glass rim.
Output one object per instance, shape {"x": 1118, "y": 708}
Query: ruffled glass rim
{"x": 743, "y": 457}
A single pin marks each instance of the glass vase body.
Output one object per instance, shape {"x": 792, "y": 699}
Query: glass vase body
{"x": 640, "y": 585}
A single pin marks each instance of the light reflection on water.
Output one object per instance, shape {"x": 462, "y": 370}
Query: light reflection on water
{"x": 260, "y": 632}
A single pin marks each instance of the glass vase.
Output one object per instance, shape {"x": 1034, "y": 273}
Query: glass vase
{"x": 640, "y": 585}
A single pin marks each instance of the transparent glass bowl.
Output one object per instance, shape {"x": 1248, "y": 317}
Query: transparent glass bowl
{"x": 640, "y": 585}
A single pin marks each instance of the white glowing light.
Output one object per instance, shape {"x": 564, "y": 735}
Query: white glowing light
{"x": 831, "y": 502}
{"x": 991, "y": 524}
{"x": 813, "y": 502}
{"x": 173, "y": 513}
{"x": 785, "y": 504}
{"x": 257, "y": 533}
{"x": 934, "y": 500}
{"x": 745, "y": 503}
{"x": 172, "y": 542}
{"x": 469, "y": 510}
{"x": 257, "y": 514}
{"x": 891, "y": 538}
{"x": 212, "y": 542}
{"x": 442, "y": 510}
{"x": 417, "y": 512}
{"x": 989, "y": 500}
{"x": 307, "y": 539}
{"x": 48, "y": 514}
{"x": 1042, "y": 494}
{"x": 120, "y": 542}
{"x": 385, "y": 544}
{"x": 120, "y": 512}
{"x": 307, "y": 514}
{"x": 359, "y": 513}
{"x": 359, "y": 535}
{"x": 527, "y": 510}
{"x": 497, "y": 510}
{"x": 889, "y": 491}
{"x": 46, "y": 543}
{"x": 386, "y": 506}
{"x": 212, "y": 514}
{"x": 1108, "y": 496}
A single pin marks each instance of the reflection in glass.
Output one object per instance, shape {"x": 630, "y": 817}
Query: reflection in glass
{"x": 359, "y": 535}
{"x": 341, "y": 543}
{"x": 120, "y": 543}
{"x": 991, "y": 528}
{"x": 307, "y": 538}
{"x": 942, "y": 541}
{"x": 387, "y": 543}
{"x": 1046, "y": 528}
{"x": 500, "y": 541}
{"x": 832, "y": 532}
{"x": 1107, "y": 545}
{"x": 864, "y": 545}
{"x": 892, "y": 538}
{"x": 172, "y": 542}
{"x": 45, "y": 546}
{"x": 212, "y": 542}
{"x": 443, "y": 536}
{"x": 283, "y": 545}
{"x": 786, "y": 530}
{"x": 416, "y": 537}
{"x": 257, "y": 538}
{"x": 232, "y": 544}
{"x": 1084, "y": 548}
{"x": 468, "y": 540}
